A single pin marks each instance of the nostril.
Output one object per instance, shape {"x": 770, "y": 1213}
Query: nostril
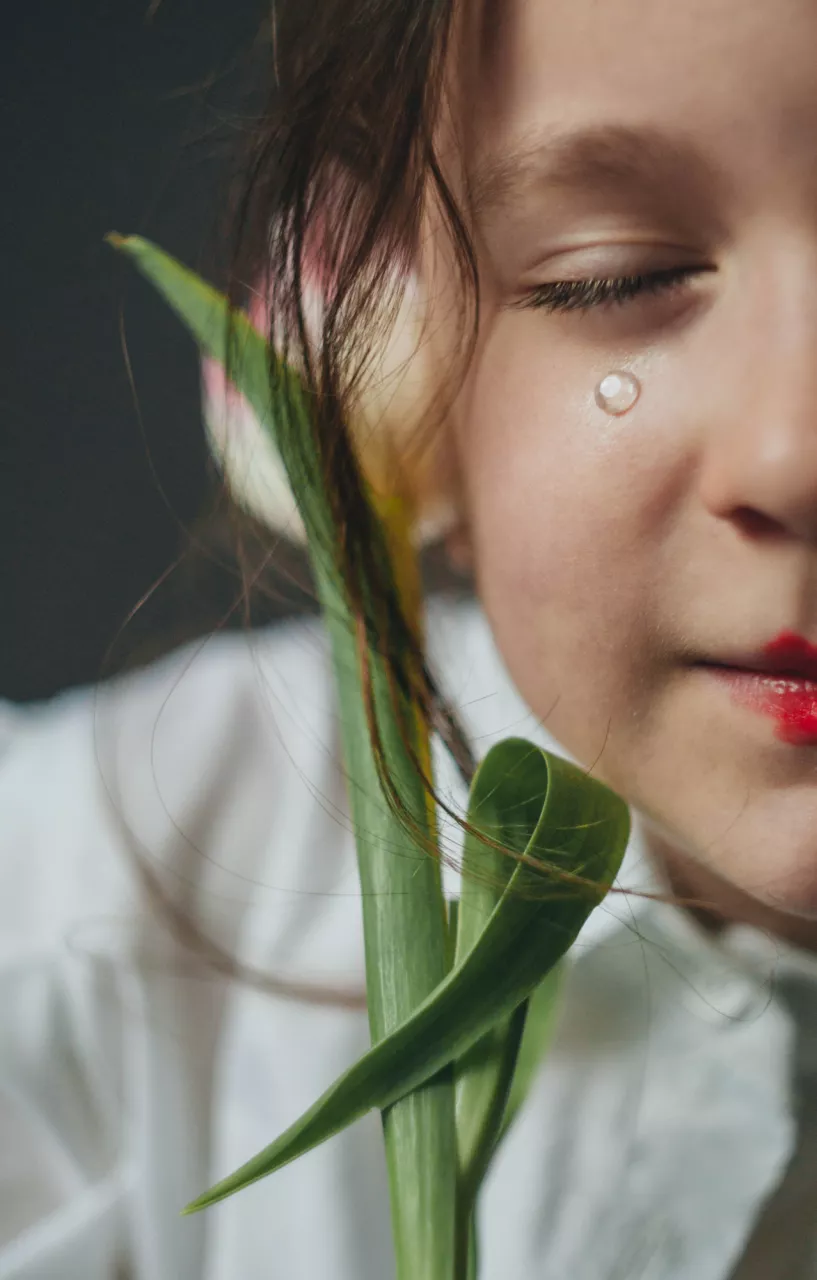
{"x": 755, "y": 524}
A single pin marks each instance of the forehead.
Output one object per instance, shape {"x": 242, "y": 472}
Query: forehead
{"x": 724, "y": 79}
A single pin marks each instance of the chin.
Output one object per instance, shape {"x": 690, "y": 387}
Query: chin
{"x": 791, "y": 890}
{"x": 759, "y": 863}
{"x": 772, "y": 852}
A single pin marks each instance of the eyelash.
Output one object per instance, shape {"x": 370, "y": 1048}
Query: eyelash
{"x": 584, "y": 295}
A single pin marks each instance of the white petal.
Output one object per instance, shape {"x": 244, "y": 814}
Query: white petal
{"x": 394, "y": 400}
{"x": 247, "y": 455}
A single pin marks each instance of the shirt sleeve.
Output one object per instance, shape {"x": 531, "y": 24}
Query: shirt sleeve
{"x": 126, "y": 1063}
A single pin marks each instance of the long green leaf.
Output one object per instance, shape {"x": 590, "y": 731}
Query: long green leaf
{"x": 482, "y": 1083}
{"x": 539, "y": 804}
{"x": 558, "y": 819}
{"x": 542, "y": 1008}
{"x": 485, "y": 1075}
{"x": 403, "y": 907}
{"x": 512, "y": 1051}
{"x": 405, "y": 945}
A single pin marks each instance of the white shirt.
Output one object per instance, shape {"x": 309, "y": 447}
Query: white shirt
{"x": 132, "y": 1077}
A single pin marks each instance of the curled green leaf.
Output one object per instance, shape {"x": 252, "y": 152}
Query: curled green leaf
{"x": 560, "y": 821}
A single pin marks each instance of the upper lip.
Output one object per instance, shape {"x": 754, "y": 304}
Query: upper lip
{"x": 788, "y": 654}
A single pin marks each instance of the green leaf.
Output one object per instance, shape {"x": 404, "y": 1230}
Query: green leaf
{"x": 403, "y": 908}
{"x": 274, "y": 391}
{"x": 482, "y": 1083}
{"x": 542, "y": 1008}
{"x": 495, "y": 1068}
{"x": 561, "y": 820}
{"x": 482, "y": 1077}
{"x": 493, "y": 1079}
{"x": 486, "y": 1107}
{"x": 405, "y": 939}
{"x": 423, "y": 1018}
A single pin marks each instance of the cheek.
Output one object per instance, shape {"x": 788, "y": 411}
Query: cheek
{"x": 567, "y": 512}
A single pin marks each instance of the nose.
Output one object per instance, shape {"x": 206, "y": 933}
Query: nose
{"x": 760, "y": 464}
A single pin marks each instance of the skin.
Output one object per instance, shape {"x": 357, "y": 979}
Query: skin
{"x": 613, "y": 553}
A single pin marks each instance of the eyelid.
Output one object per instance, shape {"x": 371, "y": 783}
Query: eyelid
{"x": 610, "y": 254}
{"x": 587, "y": 292}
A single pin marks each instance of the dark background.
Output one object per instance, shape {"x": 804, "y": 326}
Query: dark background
{"x": 113, "y": 118}
{"x": 123, "y": 115}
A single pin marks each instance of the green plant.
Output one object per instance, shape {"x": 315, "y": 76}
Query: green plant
{"x": 461, "y": 1002}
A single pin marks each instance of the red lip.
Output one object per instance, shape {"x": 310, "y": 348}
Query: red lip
{"x": 790, "y": 654}
{"x": 781, "y": 683}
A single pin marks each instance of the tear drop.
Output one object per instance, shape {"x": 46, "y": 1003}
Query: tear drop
{"x": 617, "y": 392}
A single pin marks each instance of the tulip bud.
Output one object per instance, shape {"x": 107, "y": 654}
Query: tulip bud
{"x": 392, "y": 403}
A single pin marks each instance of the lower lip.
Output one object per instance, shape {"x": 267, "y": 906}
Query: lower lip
{"x": 789, "y": 700}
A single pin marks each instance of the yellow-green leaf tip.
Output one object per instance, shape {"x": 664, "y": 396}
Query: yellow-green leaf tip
{"x": 115, "y": 240}
{"x": 193, "y": 1207}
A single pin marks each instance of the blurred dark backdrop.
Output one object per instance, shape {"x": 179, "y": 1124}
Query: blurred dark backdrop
{"x": 114, "y": 117}
{"x": 119, "y": 115}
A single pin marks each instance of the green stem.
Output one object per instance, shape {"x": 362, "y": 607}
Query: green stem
{"x": 473, "y": 1253}
{"x": 465, "y": 1238}
{"x": 405, "y": 937}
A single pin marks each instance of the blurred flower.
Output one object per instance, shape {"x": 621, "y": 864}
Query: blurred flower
{"x": 247, "y": 455}
{"x": 402, "y": 450}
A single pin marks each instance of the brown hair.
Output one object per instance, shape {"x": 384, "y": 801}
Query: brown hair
{"x": 342, "y": 157}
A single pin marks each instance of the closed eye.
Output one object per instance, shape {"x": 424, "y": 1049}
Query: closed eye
{"x": 583, "y": 295}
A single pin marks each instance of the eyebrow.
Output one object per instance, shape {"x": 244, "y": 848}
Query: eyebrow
{"x": 647, "y": 160}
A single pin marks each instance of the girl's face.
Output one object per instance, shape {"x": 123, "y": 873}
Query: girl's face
{"x": 617, "y": 556}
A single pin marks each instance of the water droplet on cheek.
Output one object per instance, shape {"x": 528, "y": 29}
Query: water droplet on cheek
{"x": 617, "y": 392}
